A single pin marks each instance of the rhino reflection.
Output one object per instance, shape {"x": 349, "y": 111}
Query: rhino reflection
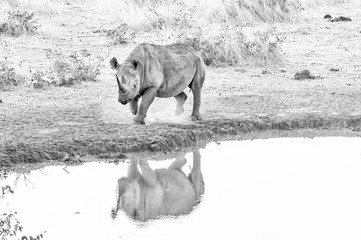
{"x": 159, "y": 192}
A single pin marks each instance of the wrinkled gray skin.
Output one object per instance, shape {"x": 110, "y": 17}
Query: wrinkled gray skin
{"x": 160, "y": 192}
{"x": 159, "y": 71}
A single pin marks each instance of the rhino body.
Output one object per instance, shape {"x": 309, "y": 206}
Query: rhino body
{"x": 161, "y": 192}
{"x": 159, "y": 71}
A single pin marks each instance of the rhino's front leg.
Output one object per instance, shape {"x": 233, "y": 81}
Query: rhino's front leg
{"x": 133, "y": 106}
{"x": 147, "y": 98}
{"x": 147, "y": 173}
{"x": 133, "y": 172}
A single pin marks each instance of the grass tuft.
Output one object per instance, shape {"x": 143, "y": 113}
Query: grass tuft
{"x": 9, "y": 78}
{"x": 19, "y": 23}
{"x": 121, "y": 35}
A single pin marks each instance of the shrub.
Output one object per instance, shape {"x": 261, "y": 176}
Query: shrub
{"x": 19, "y": 23}
{"x": 73, "y": 69}
{"x": 120, "y": 35}
{"x": 9, "y": 78}
{"x": 39, "y": 80}
{"x": 230, "y": 46}
{"x": 9, "y": 225}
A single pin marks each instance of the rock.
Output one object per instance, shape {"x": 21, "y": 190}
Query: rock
{"x": 327, "y": 16}
{"x": 208, "y": 62}
{"x": 341, "y": 19}
{"x": 1, "y": 101}
{"x": 334, "y": 69}
{"x": 304, "y": 74}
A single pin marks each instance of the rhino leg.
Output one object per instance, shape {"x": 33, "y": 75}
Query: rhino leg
{"x": 178, "y": 163}
{"x": 196, "y": 104}
{"x": 195, "y": 175}
{"x": 181, "y": 98}
{"x": 133, "y": 106}
{"x": 147, "y": 99}
{"x": 147, "y": 173}
{"x": 133, "y": 172}
{"x": 196, "y": 86}
{"x": 121, "y": 188}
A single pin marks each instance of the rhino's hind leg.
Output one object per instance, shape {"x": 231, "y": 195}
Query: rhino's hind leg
{"x": 181, "y": 98}
{"x": 196, "y": 104}
{"x": 196, "y": 87}
{"x": 195, "y": 176}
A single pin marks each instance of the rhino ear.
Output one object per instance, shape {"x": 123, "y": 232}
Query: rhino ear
{"x": 135, "y": 63}
{"x": 114, "y": 63}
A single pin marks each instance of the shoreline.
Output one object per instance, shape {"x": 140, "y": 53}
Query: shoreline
{"x": 177, "y": 138}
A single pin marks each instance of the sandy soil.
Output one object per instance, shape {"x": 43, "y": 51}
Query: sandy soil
{"x": 63, "y": 123}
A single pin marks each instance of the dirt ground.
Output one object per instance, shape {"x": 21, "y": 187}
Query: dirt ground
{"x": 64, "y": 123}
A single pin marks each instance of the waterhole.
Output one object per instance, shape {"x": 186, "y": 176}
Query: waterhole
{"x": 286, "y": 188}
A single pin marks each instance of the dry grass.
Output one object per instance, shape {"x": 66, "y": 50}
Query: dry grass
{"x": 44, "y": 7}
{"x": 323, "y": 7}
{"x": 215, "y": 28}
{"x": 154, "y": 14}
{"x": 328, "y": 3}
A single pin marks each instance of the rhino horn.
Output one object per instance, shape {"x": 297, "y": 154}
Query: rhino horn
{"x": 122, "y": 89}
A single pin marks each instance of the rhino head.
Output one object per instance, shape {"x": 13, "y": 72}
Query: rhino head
{"x": 138, "y": 200}
{"x": 128, "y": 79}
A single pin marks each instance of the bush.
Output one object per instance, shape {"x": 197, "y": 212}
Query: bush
{"x": 73, "y": 69}
{"x": 120, "y": 35}
{"x": 9, "y": 78}
{"x": 230, "y": 46}
{"x": 39, "y": 80}
{"x": 19, "y": 23}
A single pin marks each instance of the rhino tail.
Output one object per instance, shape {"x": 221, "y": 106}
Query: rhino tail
{"x": 199, "y": 76}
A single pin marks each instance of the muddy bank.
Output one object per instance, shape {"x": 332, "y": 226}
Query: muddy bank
{"x": 161, "y": 138}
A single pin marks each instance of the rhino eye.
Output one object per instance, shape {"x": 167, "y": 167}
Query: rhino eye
{"x": 134, "y": 86}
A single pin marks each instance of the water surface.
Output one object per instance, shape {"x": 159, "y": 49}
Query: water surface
{"x": 289, "y": 188}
